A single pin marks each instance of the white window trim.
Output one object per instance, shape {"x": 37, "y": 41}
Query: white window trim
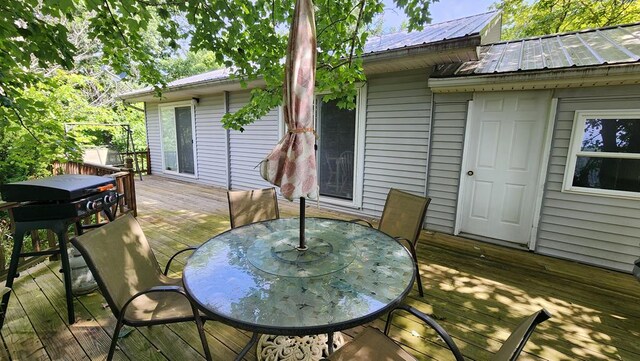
{"x": 174, "y": 105}
{"x": 574, "y": 151}
{"x": 358, "y": 169}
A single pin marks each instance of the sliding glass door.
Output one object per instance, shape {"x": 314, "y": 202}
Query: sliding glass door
{"x": 177, "y": 138}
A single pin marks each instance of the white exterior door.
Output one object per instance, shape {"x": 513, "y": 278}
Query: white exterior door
{"x": 502, "y": 164}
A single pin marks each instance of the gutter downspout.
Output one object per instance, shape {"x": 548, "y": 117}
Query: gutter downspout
{"x": 227, "y": 144}
{"x": 432, "y": 112}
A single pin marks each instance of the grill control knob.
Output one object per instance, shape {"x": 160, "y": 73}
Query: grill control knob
{"x": 109, "y": 198}
{"x": 97, "y": 204}
{"x": 90, "y": 205}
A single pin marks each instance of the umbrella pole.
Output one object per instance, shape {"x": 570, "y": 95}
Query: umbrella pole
{"x": 303, "y": 245}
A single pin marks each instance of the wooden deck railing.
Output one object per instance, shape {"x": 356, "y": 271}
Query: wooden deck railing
{"x": 143, "y": 158}
{"x": 125, "y": 180}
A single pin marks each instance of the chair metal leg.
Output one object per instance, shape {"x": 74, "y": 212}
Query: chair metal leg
{"x": 114, "y": 339}
{"x": 419, "y": 280}
{"x": 415, "y": 261}
{"x": 203, "y": 336}
{"x": 246, "y": 349}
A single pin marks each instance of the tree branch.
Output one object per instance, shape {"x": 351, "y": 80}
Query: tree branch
{"x": 355, "y": 32}
{"x": 115, "y": 22}
{"x": 21, "y": 121}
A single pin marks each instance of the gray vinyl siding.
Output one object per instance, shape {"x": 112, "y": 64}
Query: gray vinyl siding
{"x": 398, "y": 117}
{"x": 210, "y": 141}
{"x": 247, "y": 149}
{"x": 449, "y": 119}
{"x": 153, "y": 137}
{"x": 599, "y": 230}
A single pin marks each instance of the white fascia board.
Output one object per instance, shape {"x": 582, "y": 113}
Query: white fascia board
{"x": 190, "y": 90}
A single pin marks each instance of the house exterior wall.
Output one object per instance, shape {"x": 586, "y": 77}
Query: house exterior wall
{"x": 247, "y": 149}
{"x": 599, "y": 230}
{"x": 152, "y": 117}
{"x": 449, "y": 121}
{"x": 210, "y": 140}
{"x": 397, "y": 131}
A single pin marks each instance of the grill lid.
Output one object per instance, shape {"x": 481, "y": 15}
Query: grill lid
{"x": 58, "y": 188}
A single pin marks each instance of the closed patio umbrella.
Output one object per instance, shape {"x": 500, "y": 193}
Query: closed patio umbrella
{"x": 291, "y": 165}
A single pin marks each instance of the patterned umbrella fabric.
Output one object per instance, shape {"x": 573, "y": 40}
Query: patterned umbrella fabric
{"x": 291, "y": 165}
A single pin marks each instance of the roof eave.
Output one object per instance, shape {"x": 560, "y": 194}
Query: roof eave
{"x": 448, "y": 45}
{"x": 440, "y": 46}
{"x": 143, "y": 94}
{"x": 602, "y": 75}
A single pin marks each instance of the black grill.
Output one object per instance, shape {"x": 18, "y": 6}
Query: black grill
{"x": 55, "y": 203}
{"x": 61, "y": 197}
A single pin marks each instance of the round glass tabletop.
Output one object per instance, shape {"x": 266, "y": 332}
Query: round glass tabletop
{"x": 253, "y": 277}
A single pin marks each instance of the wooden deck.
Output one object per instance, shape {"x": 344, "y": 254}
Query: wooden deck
{"x": 477, "y": 291}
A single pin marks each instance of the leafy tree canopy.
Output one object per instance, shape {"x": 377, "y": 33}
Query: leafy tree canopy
{"x": 191, "y": 63}
{"x": 526, "y": 18}
{"x": 28, "y": 148}
{"x": 248, "y": 35}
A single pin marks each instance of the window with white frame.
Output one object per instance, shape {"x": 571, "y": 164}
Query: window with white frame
{"x": 604, "y": 154}
{"x": 340, "y": 150}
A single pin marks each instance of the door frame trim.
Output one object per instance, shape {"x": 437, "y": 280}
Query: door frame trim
{"x": 194, "y": 147}
{"x": 542, "y": 172}
{"x": 463, "y": 165}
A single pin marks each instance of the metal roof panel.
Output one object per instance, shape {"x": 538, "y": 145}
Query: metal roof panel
{"x": 471, "y": 25}
{"x": 613, "y": 45}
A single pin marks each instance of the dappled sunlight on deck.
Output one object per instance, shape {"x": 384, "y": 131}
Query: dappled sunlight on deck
{"x": 478, "y": 292}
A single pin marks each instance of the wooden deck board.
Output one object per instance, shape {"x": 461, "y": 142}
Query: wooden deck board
{"x": 478, "y": 291}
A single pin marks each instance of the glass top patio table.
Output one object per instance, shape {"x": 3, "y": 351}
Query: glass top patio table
{"x": 253, "y": 277}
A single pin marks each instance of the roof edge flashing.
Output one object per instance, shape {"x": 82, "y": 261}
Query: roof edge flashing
{"x": 469, "y": 41}
{"x": 540, "y": 79}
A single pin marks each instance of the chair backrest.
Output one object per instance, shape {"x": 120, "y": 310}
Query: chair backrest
{"x": 252, "y": 206}
{"x": 513, "y": 346}
{"x": 120, "y": 259}
{"x": 403, "y": 215}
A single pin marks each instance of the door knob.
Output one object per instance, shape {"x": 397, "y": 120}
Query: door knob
{"x": 470, "y": 172}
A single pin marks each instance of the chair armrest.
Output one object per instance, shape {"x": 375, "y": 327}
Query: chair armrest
{"x": 412, "y": 247}
{"x": 431, "y": 323}
{"x": 357, "y": 220}
{"x": 155, "y": 289}
{"x": 166, "y": 269}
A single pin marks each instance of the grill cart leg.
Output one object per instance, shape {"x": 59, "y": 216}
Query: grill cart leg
{"x": 66, "y": 271}
{"x": 21, "y": 228}
{"x": 18, "y": 238}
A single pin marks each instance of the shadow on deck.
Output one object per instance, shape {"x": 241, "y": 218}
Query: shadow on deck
{"x": 477, "y": 291}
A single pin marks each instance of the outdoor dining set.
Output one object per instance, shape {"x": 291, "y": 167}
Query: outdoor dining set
{"x": 257, "y": 278}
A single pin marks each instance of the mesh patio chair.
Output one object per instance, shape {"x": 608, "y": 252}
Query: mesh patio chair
{"x": 130, "y": 279}
{"x": 402, "y": 218}
{"x": 373, "y": 345}
{"x": 252, "y": 206}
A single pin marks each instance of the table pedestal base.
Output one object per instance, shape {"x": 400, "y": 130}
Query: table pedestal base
{"x": 293, "y": 348}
